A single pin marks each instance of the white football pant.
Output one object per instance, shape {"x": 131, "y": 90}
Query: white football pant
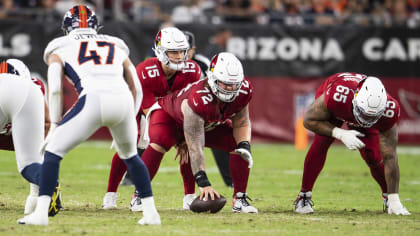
{"x": 113, "y": 109}
{"x": 22, "y": 104}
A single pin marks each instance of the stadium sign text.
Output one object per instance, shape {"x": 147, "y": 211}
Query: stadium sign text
{"x": 271, "y": 48}
{"x": 317, "y": 49}
{"x": 20, "y": 46}
{"x": 378, "y": 49}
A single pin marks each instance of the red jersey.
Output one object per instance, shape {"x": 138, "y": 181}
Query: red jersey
{"x": 338, "y": 93}
{"x": 154, "y": 83}
{"x": 205, "y": 104}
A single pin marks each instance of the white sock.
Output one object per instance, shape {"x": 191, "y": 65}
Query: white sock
{"x": 43, "y": 205}
{"x": 34, "y": 189}
{"x": 148, "y": 205}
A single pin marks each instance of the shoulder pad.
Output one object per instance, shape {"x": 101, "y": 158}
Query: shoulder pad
{"x": 52, "y": 46}
{"x": 121, "y": 44}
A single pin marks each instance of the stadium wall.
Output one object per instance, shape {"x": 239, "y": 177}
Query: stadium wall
{"x": 285, "y": 64}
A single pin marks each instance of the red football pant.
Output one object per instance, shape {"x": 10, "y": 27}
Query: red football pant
{"x": 315, "y": 160}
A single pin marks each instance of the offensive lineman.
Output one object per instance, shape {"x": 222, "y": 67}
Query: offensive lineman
{"x": 371, "y": 115}
{"x": 103, "y": 75}
{"x": 211, "y": 112}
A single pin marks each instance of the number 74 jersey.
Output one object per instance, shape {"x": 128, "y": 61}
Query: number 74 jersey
{"x": 339, "y": 91}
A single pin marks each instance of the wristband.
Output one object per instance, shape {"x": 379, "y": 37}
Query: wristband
{"x": 245, "y": 145}
{"x": 201, "y": 179}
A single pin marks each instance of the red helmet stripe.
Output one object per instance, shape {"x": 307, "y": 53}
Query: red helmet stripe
{"x": 3, "y": 67}
{"x": 83, "y": 17}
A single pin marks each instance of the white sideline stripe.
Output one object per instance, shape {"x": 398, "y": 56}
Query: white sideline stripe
{"x": 408, "y": 150}
{"x": 7, "y": 173}
{"x": 414, "y": 182}
{"x": 176, "y": 169}
{"x": 162, "y": 169}
{"x": 293, "y": 172}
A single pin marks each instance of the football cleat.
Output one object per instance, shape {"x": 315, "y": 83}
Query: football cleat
{"x": 34, "y": 219}
{"x": 385, "y": 200}
{"x": 55, "y": 205}
{"x": 241, "y": 204}
{"x": 303, "y": 203}
{"x": 135, "y": 204}
{"x": 110, "y": 200}
{"x": 188, "y": 199}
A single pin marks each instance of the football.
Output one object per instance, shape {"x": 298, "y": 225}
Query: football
{"x": 212, "y": 206}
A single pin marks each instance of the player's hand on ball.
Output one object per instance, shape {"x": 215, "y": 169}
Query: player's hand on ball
{"x": 207, "y": 192}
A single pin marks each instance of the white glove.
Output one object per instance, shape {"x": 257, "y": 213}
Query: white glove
{"x": 349, "y": 138}
{"x": 53, "y": 126}
{"x": 395, "y": 206}
{"x": 245, "y": 154}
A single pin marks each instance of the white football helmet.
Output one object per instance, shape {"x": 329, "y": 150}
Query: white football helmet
{"x": 369, "y": 101}
{"x": 20, "y": 67}
{"x": 171, "y": 39}
{"x": 227, "y": 69}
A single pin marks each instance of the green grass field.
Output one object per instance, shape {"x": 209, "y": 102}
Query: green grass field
{"x": 347, "y": 200}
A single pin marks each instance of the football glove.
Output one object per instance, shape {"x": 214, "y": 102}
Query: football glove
{"x": 395, "y": 206}
{"x": 349, "y": 138}
{"x": 244, "y": 150}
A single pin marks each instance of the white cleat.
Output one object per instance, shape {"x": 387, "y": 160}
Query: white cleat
{"x": 110, "y": 201}
{"x": 34, "y": 219}
{"x": 303, "y": 203}
{"x": 188, "y": 199}
{"x": 30, "y": 204}
{"x": 135, "y": 204}
{"x": 152, "y": 219}
{"x": 241, "y": 204}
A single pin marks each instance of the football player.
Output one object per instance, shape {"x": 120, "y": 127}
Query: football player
{"x": 109, "y": 95}
{"x": 371, "y": 115}
{"x": 211, "y": 112}
{"x": 221, "y": 157}
{"x": 22, "y": 108}
{"x": 169, "y": 71}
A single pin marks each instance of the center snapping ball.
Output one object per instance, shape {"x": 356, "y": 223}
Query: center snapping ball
{"x": 212, "y": 206}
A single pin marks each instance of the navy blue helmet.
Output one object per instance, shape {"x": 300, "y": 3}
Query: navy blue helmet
{"x": 79, "y": 17}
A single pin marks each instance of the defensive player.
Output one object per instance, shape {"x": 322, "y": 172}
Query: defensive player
{"x": 371, "y": 114}
{"x": 211, "y": 112}
{"x": 22, "y": 109}
{"x": 221, "y": 157}
{"x": 101, "y": 71}
{"x": 169, "y": 71}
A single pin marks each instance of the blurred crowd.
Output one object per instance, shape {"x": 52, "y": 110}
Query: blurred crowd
{"x": 285, "y": 12}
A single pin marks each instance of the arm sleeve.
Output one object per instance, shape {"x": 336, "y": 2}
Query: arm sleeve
{"x": 137, "y": 86}
{"x": 54, "y": 85}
